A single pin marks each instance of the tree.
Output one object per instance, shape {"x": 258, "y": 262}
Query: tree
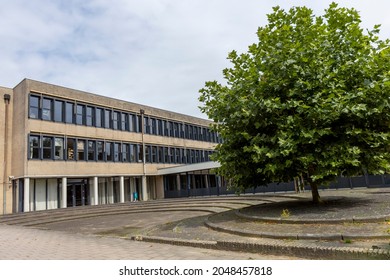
{"x": 311, "y": 98}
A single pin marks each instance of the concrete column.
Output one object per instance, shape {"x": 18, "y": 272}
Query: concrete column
{"x": 64, "y": 192}
{"x": 206, "y": 181}
{"x": 144, "y": 189}
{"x": 95, "y": 191}
{"x": 110, "y": 190}
{"x": 26, "y": 200}
{"x": 121, "y": 189}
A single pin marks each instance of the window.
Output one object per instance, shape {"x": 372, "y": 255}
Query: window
{"x": 91, "y": 150}
{"x": 47, "y": 109}
{"x": 133, "y": 153}
{"x": 47, "y": 145}
{"x": 147, "y": 153}
{"x": 184, "y": 156}
{"x": 208, "y": 139}
{"x": 171, "y": 129}
{"x": 197, "y": 157}
{"x": 204, "y": 133}
{"x": 139, "y": 123}
{"x": 195, "y": 133}
{"x": 34, "y": 147}
{"x": 146, "y": 125}
{"x": 154, "y": 126}
{"x": 186, "y": 131}
{"x": 166, "y": 128}
{"x": 59, "y": 111}
{"x": 100, "y": 150}
{"x": 172, "y": 154}
{"x": 140, "y": 156}
{"x": 117, "y": 151}
{"x": 99, "y": 117}
{"x": 81, "y": 150}
{"x": 160, "y": 128}
{"x": 190, "y": 128}
{"x": 166, "y": 155}
{"x": 69, "y": 110}
{"x": 34, "y": 107}
{"x": 176, "y": 129}
{"x": 160, "y": 154}
{"x": 109, "y": 156}
{"x": 70, "y": 149}
{"x": 58, "y": 148}
{"x": 201, "y": 156}
{"x": 177, "y": 155}
{"x": 125, "y": 152}
{"x": 154, "y": 154}
{"x": 115, "y": 120}
{"x": 124, "y": 121}
{"x": 107, "y": 118}
{"x": 90, "y": 116}
{"x": 80, "y": 113}
{"x": 132, "y": 123}
{"x": 181, "y": 130}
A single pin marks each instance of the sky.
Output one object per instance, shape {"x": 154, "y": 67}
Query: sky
{"x": 158, "y": 53}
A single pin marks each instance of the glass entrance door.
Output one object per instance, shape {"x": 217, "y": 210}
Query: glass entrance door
{"x": 77, "y": 193}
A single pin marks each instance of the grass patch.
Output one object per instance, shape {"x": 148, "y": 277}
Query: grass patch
{"x": 285, "y": 214}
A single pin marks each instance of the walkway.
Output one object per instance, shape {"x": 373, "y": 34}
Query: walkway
{"x": 271, "y": 226}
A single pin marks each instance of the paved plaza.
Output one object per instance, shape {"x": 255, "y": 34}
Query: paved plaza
{"x": 353, "y": 224}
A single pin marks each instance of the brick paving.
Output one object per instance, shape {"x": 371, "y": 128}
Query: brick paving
{"x": 21, "y": 243}
{"x": 109, "y": 231}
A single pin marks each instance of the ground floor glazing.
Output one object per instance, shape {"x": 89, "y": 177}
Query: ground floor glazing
{"x": 34, "y": 194}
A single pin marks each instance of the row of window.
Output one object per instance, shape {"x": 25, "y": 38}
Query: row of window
{"x": 63, "y": 148}
{"x": 49, "y": 109}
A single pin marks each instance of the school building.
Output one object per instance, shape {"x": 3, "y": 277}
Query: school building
{"x": 62, "y": 147}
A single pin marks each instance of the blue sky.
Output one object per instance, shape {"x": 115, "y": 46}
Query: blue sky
{"x": 154, "y": 52}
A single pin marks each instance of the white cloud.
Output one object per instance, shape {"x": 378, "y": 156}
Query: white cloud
{"x": 153, "y": 52}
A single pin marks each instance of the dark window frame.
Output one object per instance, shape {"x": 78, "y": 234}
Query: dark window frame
{"x": 36, "y": 147}
{"x": 80, "y": 114}
{"x": 90, "y": 116}
{"x": 36, "y": 108}
{"x": 62, "y": 148}
{"x": 99, "y": 117}
{"x": 92, "y": 151}
{"x": 100, "y": 154}
{"x": 47, "y": 151}
{"x": 74, "y": 140}
{"x": 69, "y": 112}
{"x": 59, "y": 116}
{"x": 47, "y": 109}
{"x": 81, "y": 152}
{"x": 108, "y": 151}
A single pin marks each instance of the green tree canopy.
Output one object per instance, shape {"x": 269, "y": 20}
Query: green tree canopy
{"x": 310, "y": 98}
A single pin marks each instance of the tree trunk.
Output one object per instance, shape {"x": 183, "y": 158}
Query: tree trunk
{"x": 315, "y": 194}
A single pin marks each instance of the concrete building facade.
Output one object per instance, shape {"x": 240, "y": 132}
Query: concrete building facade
{"x": 61, "y": 147}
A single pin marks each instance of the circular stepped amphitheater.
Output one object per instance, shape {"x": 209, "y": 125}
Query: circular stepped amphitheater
{"x": 353, "y": 224}
{"x": 203, "y": 206}
{"x": 338, "y": 218}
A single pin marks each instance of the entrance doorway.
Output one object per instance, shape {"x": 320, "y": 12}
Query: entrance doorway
{"x": 77, "y": 193}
